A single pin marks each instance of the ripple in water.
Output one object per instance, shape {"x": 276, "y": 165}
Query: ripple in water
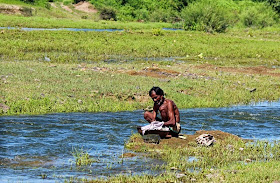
{"x": 42, "y": 144}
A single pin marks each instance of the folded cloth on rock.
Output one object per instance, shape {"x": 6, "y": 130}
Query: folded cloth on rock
{"x": 155, "y": 125}
{"x": 205, "y": 140}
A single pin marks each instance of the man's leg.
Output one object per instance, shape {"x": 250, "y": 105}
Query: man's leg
{"x": 148, "y": 116}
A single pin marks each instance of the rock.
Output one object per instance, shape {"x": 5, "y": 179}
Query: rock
{"x": 182, "y": 137}
{"x": 151, "y": 138}
{"x": 248, "y": 160}
{"x": 4, "y": 107}
{"x": 149, "y": 108}
{"x": 180, "y": 175}
{"x": 47, "y": 59}
{"x": 253, "y": 90}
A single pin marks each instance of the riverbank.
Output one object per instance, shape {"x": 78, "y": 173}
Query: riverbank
{"x": 230, "y": 159}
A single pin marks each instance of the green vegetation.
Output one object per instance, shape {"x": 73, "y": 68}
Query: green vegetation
{"x": 230, "y": 159}
{"x": 202, "y": 15}
{"x": 109, "y": 71}
{"x": 64, "y": 71}
{"x": 82, "y": 157}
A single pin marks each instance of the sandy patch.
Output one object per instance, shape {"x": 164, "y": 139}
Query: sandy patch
{"x": 53, "y": 5}
{"x": 85, "y": 7}
{"x": 16, "y": 10}
{"x": 66, "y": 8}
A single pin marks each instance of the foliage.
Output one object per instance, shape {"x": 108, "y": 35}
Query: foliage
{"x": 147, "y": 10}
{"x": 275, "y": 4}
{"x": 209, "y": 15}
{"x": 108, "y": 13}
{"x": 257, "y": 15}
{"x": 203, "y": 15}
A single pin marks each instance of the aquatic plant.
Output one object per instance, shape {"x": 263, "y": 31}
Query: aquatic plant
{"x": 82, "y": 158}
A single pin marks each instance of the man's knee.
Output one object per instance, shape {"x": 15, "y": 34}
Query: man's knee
{"x": 148, "y": 116}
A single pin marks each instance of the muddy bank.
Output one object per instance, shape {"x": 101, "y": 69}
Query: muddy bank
{"x": 136, "y": 142}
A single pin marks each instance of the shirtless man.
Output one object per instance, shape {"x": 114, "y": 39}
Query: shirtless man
{"x": 167, "y": 110}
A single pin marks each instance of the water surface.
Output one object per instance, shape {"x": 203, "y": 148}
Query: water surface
{"x": 32, "y": 146}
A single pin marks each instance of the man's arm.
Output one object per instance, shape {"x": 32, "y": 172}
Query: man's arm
{"x": 154, "y": 115}
{"x": 171, "y": 116}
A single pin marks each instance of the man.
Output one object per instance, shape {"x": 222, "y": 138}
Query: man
{"x": 164, "y": 110}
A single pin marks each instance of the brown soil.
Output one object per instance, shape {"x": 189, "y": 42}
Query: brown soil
{"x": 128, "y": 155}
{"x": 15, "y": 10}
{"x": 66, "y": 8}
{"x": 85, "y": 7}
{"x": 260, "y": 70}
{"x": 155, "y": 72}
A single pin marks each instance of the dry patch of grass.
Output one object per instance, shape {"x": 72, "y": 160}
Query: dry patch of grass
{"x": 258, "y": 70}
{"x": 154, "y": 72}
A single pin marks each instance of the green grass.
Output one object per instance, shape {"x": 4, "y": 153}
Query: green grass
{"x": 38, "y": 87}
{"x": 59, "y": 19}
{"x": 13, "y": 2}
{"x": 82, "y": 158}
{"x": 108, "y": 71}
{"x": 231, "y": 49}
{"x": 229, "y": 160}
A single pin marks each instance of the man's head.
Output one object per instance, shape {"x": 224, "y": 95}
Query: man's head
{"x": 157, "y": 94}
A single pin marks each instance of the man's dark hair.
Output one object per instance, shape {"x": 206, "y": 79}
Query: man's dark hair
{"x": 157, "y": 90}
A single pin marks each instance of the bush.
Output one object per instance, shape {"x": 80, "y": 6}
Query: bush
{"x": 275, "y": 4}
{"x": 257, "y": 15}
{"x": 209, "y": 15}
{"x": 163, "y": 15}
{"x": 108, "y": 13}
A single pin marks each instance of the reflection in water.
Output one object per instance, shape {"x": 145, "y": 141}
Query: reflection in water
{"x": 32, "y": 146}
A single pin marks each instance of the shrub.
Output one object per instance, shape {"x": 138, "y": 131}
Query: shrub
{"x": 141, "y": 14}
{"x": 257, "y": 15}
{"x": 209, "y": 15}
{"x": 275, "y": 4}
{"x": 108, "y": 13}
{"x": 126, "y": 13}
{"x": 163, "y": 15}
{"x": 67, "y": 2}
{"x": 27, "y": 11}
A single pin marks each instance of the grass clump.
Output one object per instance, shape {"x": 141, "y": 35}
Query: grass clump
{"x": 82, "y": 158}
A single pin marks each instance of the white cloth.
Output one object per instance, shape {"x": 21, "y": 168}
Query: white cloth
{"x": 155, "y": 125}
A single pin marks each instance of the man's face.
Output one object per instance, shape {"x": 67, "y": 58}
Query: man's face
{"x": 156, "y": 98}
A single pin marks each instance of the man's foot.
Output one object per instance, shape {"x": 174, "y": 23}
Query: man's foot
{"x": 168, "y": 136}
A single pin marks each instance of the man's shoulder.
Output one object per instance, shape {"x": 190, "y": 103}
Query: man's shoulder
{"x": 169, "y": 101}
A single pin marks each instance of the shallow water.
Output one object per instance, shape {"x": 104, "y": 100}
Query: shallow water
{"x": 32, "y": 146}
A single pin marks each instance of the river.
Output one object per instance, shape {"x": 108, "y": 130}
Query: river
{"x": 37, "y": 148}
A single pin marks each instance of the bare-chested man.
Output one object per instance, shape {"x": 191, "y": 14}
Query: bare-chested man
{"x": 164, "y": 110}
